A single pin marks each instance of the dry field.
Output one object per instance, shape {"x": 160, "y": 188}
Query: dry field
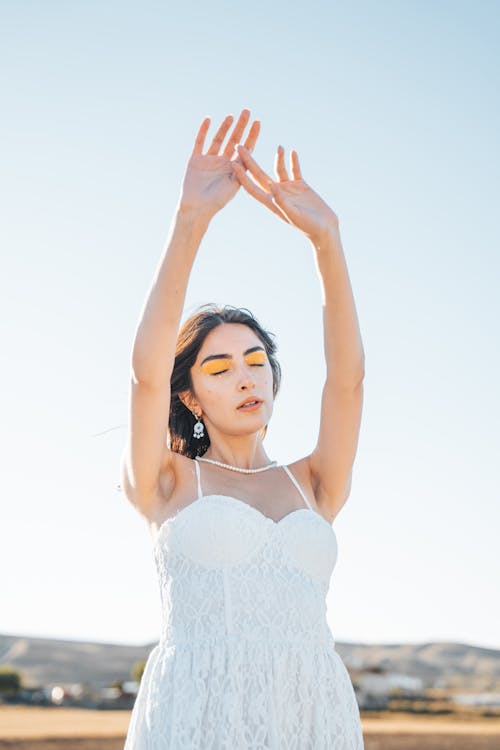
{"x": 51, "y": 728}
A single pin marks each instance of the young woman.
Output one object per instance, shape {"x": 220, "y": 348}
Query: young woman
{"x": 244, "y": 547}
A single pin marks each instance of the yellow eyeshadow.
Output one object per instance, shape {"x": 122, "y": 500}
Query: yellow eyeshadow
{"x": 256, "y": 358}
{"x": 214, "y": 365}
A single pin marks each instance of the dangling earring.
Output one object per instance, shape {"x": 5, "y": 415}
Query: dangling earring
{"x": 198, "y": 430}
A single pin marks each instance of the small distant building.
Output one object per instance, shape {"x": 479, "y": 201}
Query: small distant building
{"x": 373, "y": 691}
{"x": 130, "y": 687}
{"x": 485, "y": 700}
{"x": 405, "y": 684}
{"x": 376, "y": 687}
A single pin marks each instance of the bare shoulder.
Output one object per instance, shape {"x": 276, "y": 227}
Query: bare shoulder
{"x": 328, "y": 504}
{"x": 176, "y": 474}
{"x": 301, "y": 469}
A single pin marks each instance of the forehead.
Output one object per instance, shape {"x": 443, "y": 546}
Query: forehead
{"x": 229, "y": 338}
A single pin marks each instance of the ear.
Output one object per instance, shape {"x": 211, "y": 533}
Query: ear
{"x": 190, "y": 402}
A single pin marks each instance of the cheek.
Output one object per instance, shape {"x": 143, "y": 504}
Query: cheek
{"x": 210, "y": 393}
{"x": 215, "y": 392}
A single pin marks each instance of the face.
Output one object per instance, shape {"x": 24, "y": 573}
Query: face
{"x": 232, "y": 365}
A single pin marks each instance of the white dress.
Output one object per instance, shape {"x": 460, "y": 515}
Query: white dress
{"x": 246, "y": 659}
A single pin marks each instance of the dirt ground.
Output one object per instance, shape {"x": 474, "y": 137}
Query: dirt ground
{"x": 372, "y": 742}
{"x": 32, "y": 728}
{"x": 429, "y": 742}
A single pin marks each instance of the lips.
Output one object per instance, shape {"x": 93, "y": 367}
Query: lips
{"x": 249, "y": 400}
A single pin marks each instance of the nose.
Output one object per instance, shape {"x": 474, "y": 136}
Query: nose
{"x": 246, "y": 379}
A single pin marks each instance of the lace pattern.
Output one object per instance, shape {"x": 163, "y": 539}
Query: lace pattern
{"x": 246, "y": 659}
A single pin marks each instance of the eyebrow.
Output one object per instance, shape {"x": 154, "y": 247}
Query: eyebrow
{"x": 229, "y": 356}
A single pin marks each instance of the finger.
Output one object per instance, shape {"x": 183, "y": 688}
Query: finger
{"x": 200, "y": 138}
{"x": 252, "y": 135}
{"x": 249, "y": 141}
{"x": 220, "y": 135}
{"x": 261, "y": 196}
{"x": 256, "y": 192}
{"x": 279, "y": 165}
{"x": 249, "y": 163}
{"x": 237, "y": 133}
{"x": 294, "y": 165}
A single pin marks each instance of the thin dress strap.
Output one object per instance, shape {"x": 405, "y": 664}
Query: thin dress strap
{"x": 297, "y": 485}
{"x": 197, "y": 467}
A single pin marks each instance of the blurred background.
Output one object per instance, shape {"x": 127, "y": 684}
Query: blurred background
{"x": 393, "y": 108}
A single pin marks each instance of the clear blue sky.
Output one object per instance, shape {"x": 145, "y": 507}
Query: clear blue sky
{"x": 393, "y": 108}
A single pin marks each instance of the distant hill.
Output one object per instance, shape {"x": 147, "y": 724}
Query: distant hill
{"x": 457, "y": 664}
{"x": 49, "y": 661}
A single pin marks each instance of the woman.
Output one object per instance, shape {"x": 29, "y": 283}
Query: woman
{"x": 244, "y": 547}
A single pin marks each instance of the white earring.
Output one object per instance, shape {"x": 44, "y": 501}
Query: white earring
{"x": 198, "y": 430}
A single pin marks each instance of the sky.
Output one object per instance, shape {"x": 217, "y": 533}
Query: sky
{"x": 393, "y": 109}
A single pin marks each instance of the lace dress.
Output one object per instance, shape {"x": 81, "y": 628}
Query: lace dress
{"x": 246, "y": 659}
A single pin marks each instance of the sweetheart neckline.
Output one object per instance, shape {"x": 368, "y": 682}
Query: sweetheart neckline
{"x": 251, "y": 508}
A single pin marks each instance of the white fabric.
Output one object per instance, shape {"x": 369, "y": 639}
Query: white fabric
{"x": 246, "y": 659}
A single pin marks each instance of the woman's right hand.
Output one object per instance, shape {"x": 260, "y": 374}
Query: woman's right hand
{"x": 209, "y": 182}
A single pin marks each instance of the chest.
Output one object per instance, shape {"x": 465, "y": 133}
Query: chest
{"x": 219, "y": 532}
{"x": 274, "y": 493}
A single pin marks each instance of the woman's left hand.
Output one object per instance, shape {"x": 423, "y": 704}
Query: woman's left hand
{"x": 291, "y": 199}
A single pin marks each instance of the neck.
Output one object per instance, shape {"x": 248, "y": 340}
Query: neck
{"x": 238, "y": 459}
{"x": 244, "y": 451}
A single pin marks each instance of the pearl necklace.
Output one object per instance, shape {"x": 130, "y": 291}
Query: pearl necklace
{"x": 236, "y": 468}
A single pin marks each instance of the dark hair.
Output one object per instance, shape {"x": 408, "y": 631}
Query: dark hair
{"x": 189, "y": 342}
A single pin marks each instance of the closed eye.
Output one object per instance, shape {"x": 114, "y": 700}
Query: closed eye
{"x": 219, "y": 372}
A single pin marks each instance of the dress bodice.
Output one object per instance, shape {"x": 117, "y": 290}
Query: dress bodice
{"x": 227, "y": 570}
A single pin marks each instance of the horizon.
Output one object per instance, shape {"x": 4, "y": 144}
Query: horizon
{"x": 340, "y": 640}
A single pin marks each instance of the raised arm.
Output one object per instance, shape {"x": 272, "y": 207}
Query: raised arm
{"x": 209, "y": 183}
{"x": 294, "y": 201}
{"x": 332, "y": 459}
